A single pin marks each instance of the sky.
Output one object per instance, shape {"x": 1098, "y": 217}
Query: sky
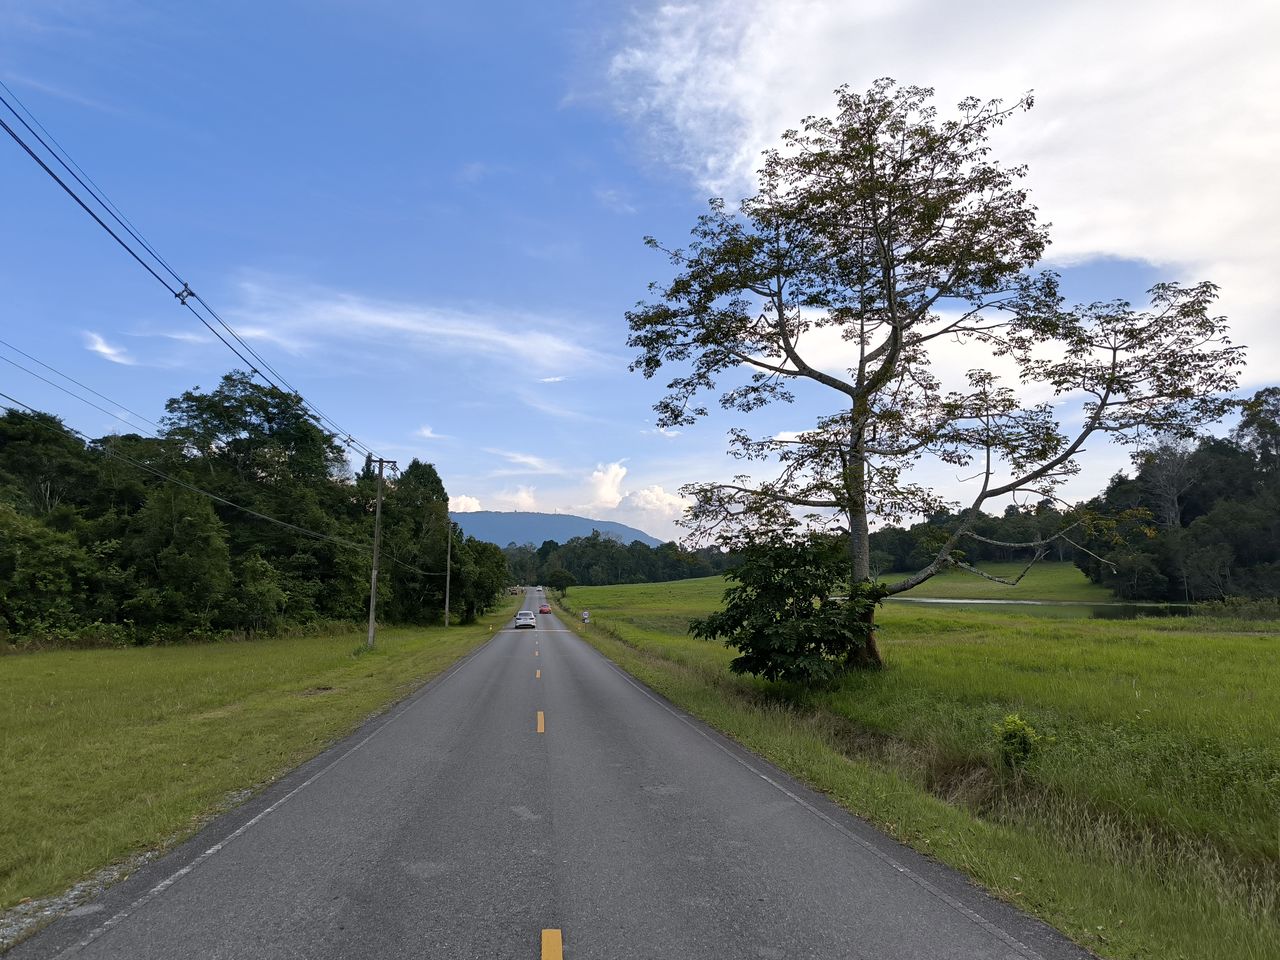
{"x": 429, "y": 217}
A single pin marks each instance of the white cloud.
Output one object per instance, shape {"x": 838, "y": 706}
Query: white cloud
{"x": 552, "y": 379}
{"x": 522, "y": 498}
{"x": 464, "y": 504}
{"x": 298, "y": 317}
{"x": 426, "y": 433}
{"x": 95, "y": 344}
{"x": 605, "y": 484}
{"x": 1153, "y": 137}
{"x": 655, "y": 502}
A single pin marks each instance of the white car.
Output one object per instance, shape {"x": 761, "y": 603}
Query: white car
{"x": 526, "y": 618}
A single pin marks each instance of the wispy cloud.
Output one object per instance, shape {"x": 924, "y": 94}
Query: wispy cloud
{"x": 524, "y": 463}
{"x": 60, "y": 93}
{"x": 182, "y": 336}
{"x": 95, "y": 344}
{"x": 426, "y": 433}
{"x": 552, "y": 379}
{"x": 302, "y": 319}
{"x": 615, "y": 201}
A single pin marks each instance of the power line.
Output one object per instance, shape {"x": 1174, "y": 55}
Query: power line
{"x": 340, "y": 541}
{"x": 132, "y": 413}
{"x": 185, "y": 294}
{"x": 65, "y": 158}
{"x": 69, "y": 393}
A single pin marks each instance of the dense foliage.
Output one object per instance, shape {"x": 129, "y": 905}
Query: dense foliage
{"x": 94, "y": 547}
{"x": 791, "y": 616}
{"x": 1197, "y": 522}
{"x": 597, "y": 560}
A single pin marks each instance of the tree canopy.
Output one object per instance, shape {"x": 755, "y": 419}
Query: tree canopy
{"x": 881, "y": 240}
{"x": 95, "y": 546}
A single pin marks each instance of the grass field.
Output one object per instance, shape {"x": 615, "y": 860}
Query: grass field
{"x": 1148, "y": 827}
{"x": 108, "y": 753}
{"x": 1044, "y": 581}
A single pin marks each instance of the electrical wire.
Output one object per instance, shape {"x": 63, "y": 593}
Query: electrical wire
{"x": 132, "y": 413}
{"x": 185, "y": 294}
{"x": 56, "y": 386}
{"x": 340, "y": 541}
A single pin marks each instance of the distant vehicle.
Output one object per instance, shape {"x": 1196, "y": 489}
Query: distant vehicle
{"x": 545, "y": 608}
{"x": 526, "y": 618}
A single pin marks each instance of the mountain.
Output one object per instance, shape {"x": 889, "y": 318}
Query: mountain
{"x": 503, "y": 527}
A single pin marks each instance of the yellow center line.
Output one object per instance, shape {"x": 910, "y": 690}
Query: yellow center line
{"x": 552, "y": 945}
{"x": 537, "y": 674}
{"x": 542, "y": 725}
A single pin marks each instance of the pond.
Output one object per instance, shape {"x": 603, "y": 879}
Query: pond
{"x": 1117, "y": 610}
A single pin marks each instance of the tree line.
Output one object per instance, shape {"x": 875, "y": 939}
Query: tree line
{"x": 1195, "y": 520}
{"x": 596, "y": 560}
{"x": 262, "y": 525}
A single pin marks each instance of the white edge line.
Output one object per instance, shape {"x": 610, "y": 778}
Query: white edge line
{"x": 906, "y": 871}
{"x": 177, "y": 875}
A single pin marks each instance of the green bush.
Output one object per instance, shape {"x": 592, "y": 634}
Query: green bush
{"x": 1017, "y": 742}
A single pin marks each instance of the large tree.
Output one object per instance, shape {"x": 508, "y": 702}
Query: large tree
{"x": 880, "y": 239}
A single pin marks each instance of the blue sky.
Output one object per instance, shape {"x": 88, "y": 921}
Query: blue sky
{"x": 429, "y": 217}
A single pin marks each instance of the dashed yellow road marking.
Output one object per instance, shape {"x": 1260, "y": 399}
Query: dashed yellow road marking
{"x": 542, "y": 725}
{"x": 552, "y": 945}
{"x": 537, "y": 674}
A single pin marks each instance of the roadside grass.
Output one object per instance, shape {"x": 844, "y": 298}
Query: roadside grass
{"x": 1044, "y": 581}
{"x": 1149, "y": 826}
{"x": 105, "y": 754}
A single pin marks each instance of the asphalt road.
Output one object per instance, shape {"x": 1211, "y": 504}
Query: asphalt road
{"x": 535, "y": 802}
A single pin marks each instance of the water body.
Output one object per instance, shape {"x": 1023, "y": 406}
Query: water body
{"x": 1116, "y": 610}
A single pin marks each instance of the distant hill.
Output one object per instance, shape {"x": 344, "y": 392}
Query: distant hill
{"x": 503, "y": 527}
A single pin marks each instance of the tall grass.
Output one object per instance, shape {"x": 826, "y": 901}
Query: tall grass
{"x": 1147, "y": 824}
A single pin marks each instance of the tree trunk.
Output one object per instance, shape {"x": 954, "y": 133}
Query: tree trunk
{"x": 868, "y": 656}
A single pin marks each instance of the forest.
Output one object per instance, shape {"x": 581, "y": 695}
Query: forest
{"x": 239, "y": 516}
{"x": 598, "y": 560}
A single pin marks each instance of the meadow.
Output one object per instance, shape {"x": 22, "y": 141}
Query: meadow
{"x": 105, "y": 754}
{"x": 1146, "y": 822}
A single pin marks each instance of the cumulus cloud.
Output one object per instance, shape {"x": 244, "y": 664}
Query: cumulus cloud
{"x": 95, "y": 344}
{"x": 606, "y": 485}
{"x": 464, "y": 504}
{"x": 1153, "y": 137}
{"x": 654, "y": 501}
{"x": 522, "y": 498}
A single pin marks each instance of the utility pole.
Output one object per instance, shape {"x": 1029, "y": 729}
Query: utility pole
{"x": 448, "y": 561}
{"x": 377, "y": 543}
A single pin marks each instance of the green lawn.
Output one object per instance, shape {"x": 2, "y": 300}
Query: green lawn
{"x": 107, "y": 753}
{"x": 1148, "y": 827}
{"x": 1044, "y": 581}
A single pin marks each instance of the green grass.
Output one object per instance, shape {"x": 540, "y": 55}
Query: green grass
{"x": 1148, "y": 827}
{"x": 1044, "y": 581}
{"x": 108, "y": 753}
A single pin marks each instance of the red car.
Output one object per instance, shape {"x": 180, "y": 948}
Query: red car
{"x": 545, "y": 608}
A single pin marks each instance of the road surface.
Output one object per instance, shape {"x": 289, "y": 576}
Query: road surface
{"x": 535, "y": 802}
